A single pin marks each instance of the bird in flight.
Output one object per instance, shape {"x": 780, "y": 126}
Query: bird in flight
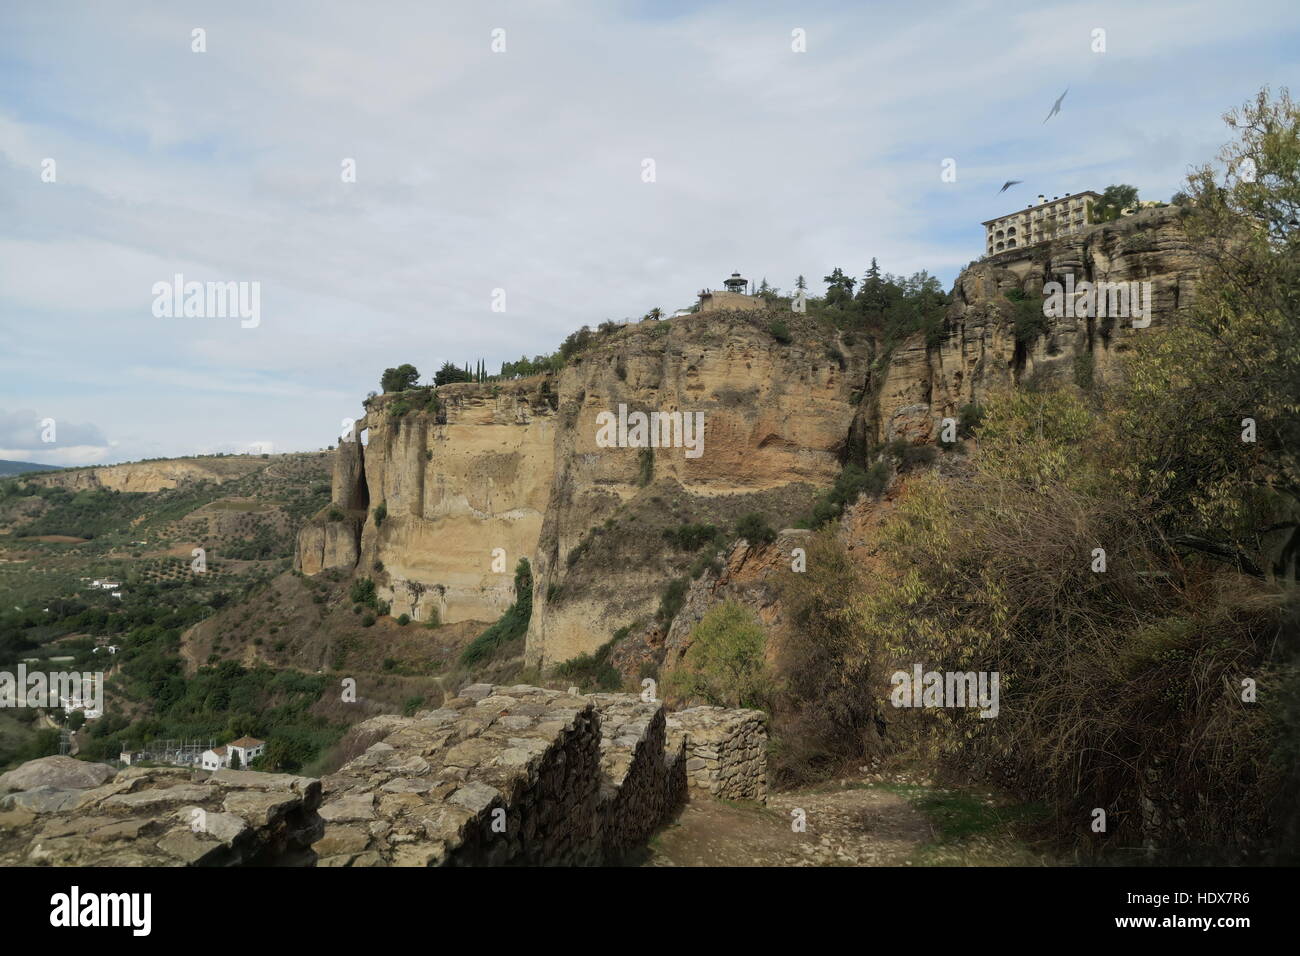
{"x": 1056, "y": 107}
{"x": 1008, "y": 184}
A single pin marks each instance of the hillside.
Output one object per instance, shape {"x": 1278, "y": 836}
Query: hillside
{"x": 8, "y": 468}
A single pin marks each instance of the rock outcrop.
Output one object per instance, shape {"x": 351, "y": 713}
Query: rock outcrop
{"x": 516, "y": 466}
{"x": 921, "y": 383}
{"x": 142, "y": 816}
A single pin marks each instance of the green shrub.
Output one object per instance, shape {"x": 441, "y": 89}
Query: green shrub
{"x": 363, "y": 592}
{"x": 851, "y": 482}
{"x": 381, "y": 512}
{"x": 645, "y": 466}
{"x": 691, "y": 537}
{"x": 754, "y": 528}
{"x": 919, "y": 454}
{"x": 969, "y": 418}
{"x": 671, "y": 601}
{"x": 404, "y": 619}
{"x": 780, "y": 331}
{"x": 592, "y": 672}
{"x": 512, "y": 625}
{"x": 725, "y": 665}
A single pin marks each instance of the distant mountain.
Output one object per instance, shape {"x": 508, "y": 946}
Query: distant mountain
{"x": 18, "y": 467}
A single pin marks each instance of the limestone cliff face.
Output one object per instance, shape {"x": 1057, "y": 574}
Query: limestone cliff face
{"x": 922, "y": 383}
{"x": 453, "y": 486}
{"x": 777, "y": 420}
{"x": 520, "y": 469}
{"x": 517, "y": 466}
{"x": 150, "y": 476}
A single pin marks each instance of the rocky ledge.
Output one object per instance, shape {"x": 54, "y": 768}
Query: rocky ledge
{"x": 63, "y": 812}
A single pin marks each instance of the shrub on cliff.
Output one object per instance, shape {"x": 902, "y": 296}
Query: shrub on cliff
{"x": 511, "y": 627}
{"x": 851, "y": 482}
{"x": 725, "y": 665}
{"x": 690, "y": 537}
{"x": 592, "y": 672}
{"x": 754, "y": 528}
{"x": 363, "y": 593}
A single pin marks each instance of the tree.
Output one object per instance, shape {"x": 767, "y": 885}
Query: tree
{"x": 1114, "y": 200}
{"x": 1233, "y": 355}
{"x": 234, "y": 760}
{"x": 450, "y": 373}
{"x": 656, "y": 313}
{"x": 801, "y": 284}
{"x": 725, "y": 665}
{"x": 399, "y": 379}
{"x": 872, "y": 295}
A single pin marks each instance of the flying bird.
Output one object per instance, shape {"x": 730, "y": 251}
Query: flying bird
{"x": 1008, "y": 184}
{"x": 1056, "y": 107}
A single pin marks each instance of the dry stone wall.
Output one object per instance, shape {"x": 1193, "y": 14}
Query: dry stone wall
{"x": 643, "y": 777}
{"x": 527, "y": 776}
{"x": 496, "y": 776}
{"x": 726, "y": 751}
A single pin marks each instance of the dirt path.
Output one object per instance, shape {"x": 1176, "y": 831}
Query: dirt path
{"x": 844, "y": 827}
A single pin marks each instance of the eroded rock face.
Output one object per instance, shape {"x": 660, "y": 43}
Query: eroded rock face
{"x": 516, "y": 466}
{"x": 777, "y": 421}
{"x": 978, "y": 351}
{"x": 329, "y": 543}
{"x": 454, "y": 486}
{"x": 144, "y": 816}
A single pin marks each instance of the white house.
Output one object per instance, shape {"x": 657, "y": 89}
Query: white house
{"x": 246, "y": 748}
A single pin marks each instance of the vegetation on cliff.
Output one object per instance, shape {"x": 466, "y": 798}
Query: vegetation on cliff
{"x": 1126, "y": 560}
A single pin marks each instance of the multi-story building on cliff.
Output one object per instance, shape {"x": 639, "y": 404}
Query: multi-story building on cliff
{"x": 1039, "y": 222}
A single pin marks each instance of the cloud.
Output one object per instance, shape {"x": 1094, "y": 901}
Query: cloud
{"x": 522, "y": 171}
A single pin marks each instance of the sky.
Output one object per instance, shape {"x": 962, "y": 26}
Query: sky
{"x": 568, "y": 162}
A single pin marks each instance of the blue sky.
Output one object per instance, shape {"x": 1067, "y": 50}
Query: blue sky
{"x": 522, "y": 170}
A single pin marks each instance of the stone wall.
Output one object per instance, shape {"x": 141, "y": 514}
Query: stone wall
{"x": 726, "y": 751}
{"x": 58, "y": 811}
{"x": 643, "y": 776}
{"x": 496, "y": 776}
{"x": 527, "y": 776}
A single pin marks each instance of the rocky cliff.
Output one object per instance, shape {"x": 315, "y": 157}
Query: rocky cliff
{"x": 432, "y": 492}
{"x": 922, "y": 382}
{"x": 447, "y": 493}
